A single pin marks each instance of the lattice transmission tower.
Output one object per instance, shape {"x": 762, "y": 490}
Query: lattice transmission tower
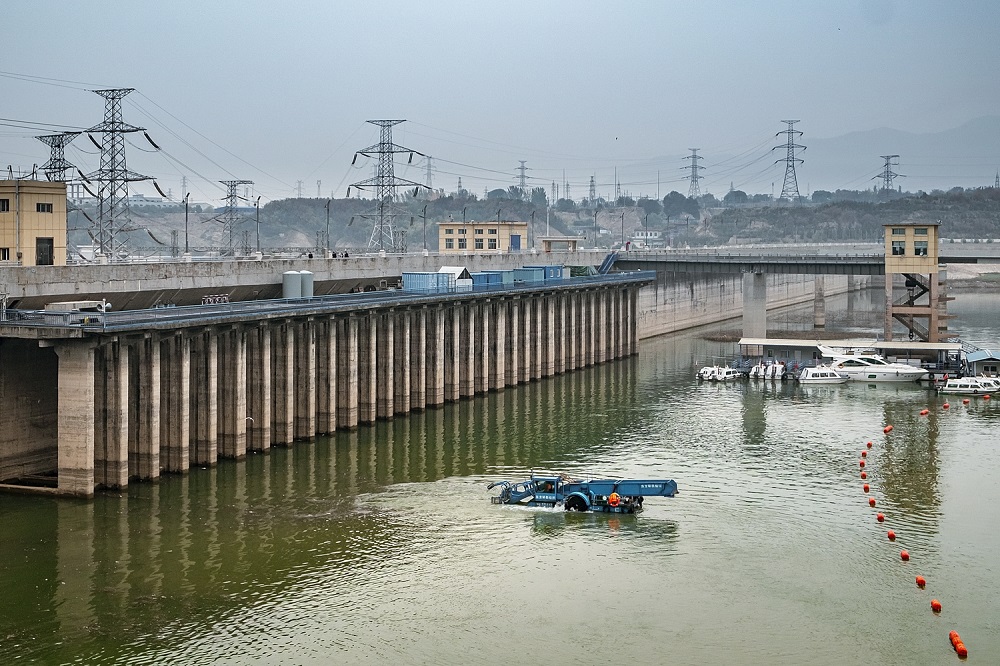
{"x": 57, "y": 166}
{"x": 592, "y": 192}
{"x": 110, "y": 230}
{"x": 384, "y": 183}
{"x": 694, "y": 167}
{"x": 790, "y": 188}
{"x": 522, "y": 179}
{"x": 888, "y": 174}
{"x": 230, "y": 216}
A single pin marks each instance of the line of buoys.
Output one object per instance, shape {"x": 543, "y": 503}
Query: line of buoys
{"x": 957, "y": 644}
{"x": 921, "y": 582}
{"x": 891, "y": 535}
{"x": 904, "y": 555}
{"x": 925, "y": 412}
{"x": 886, "y": 430}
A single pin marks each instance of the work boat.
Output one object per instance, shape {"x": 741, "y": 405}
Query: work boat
{"x": 970, "y": 386}
{"x": 821, "y": 374}
{"x": 874, "y": 368}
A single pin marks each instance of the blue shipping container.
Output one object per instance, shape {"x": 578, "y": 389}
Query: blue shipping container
{"x": 529, "y": 274}
{"x": 425, "y": 282}
{"x": 485, "y": 278}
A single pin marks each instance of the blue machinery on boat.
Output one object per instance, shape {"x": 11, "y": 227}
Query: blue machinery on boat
{"x": 601, "y": 495}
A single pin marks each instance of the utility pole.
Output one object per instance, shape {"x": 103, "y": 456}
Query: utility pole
{"x": 328, "y": 224}
{"x": 113, "y": 220}
{"x": 790, "y": 188}
{"x": 187, "y": 248}
{"x": 319, "y": 187}
{"x": 256, "y": 205}
{"x": 230, "y": 217}
{"x": 429, "y": 175}
{"x": 887, "y": 173}
{"x": 384, "y": 182}
{"x": 693, "y": 190}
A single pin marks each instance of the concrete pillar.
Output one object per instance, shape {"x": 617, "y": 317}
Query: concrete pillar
{"x": 559, "y": 304}
{"x": 498, "y": 369}
{"x": 484, "y": 322}
{"x": 326, "y": 376}
{"x": 146, "y": 455}
{"x": 233, "y": 393}
{"x": 819, "y": 302}
{"x": 436, "y": 355}
{"x": 600, "y": 327}
{"x": 401, "y": 366}
{"x": 633, "y": 321}
{"x": 589, "y": 321}
{"x": 385, "y": 354}
{"x": 205, "y": 397}
{"x": 418, "y": 358}
{"x": 76, "y": 418}
{"x": 282, "y": 384}
{"x": 368, "y": 369}
{"x": 754, "y": 305}
{"x": 618, "y": 323}
{"x": 572, "y": 338}
{"x": 467, "y": 350}
{"x": 536, "y": 341}
{"x": 304, "y": 375}
{"x": 175, "y": 410}
{"x": 514, "y": 357}
{"x": 453, "y": 353}
{"x": 258, "y": 369}
{"x": 547, "y": 304}
{"x": 347, "y": 365}
{"x": 111, "y": 418}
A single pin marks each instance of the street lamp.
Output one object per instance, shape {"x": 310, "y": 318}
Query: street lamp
{"x": 623, "y": 230}
{"x": 424, "y": 216}
{"x": 187, "y": 249}
{"x": 256, "y": 205}
{"x": 595, "y": 228}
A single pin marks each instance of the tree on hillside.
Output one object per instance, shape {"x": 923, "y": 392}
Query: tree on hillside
{"x": 735, "y": 197}
{"x": 538, "y": 197}
{"x": 565, "y": 205}
{"x": 676, "y": 204}
{"x": 650, "y": 206}
{"x": 497, "y": 194}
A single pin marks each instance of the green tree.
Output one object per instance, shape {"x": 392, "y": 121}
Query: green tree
{"x": 538, "y": 197}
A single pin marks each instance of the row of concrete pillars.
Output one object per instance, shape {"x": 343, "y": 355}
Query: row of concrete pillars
{"x": 131, "y": 407}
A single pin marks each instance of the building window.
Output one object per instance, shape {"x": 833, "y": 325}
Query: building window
{"x": 493, "y": 232}
{"x": 449, "y": 231}
{"x": 462, "y": 244}
{"x": 920, "y": 231}
{"x": 461, "y": 232}
{"x": 4, "y": 254}
{"x": 479, "y": 243}
{"x": 4, "y": 205}
{"x": 43, "y": 208}
{"x": 898, "y": 248}
{"x": 989, "y": 369}
{"x": 449, "y": 243}
{"x": 493, "y": 244}
{"x": 920, "y": 248}
{"x": 898, "y": 232}
{"x": 479, "y": 232}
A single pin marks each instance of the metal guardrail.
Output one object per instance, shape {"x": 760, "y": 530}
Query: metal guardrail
{"x": 193, "y": 315}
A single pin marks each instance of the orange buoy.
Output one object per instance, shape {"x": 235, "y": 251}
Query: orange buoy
{"x": 961, "y": 650}
{"x": 965, "y": 401}
{"x": 614, "y": 499}
{"x": 866, "y": 487}
{"x": 986, "y": 397}
{"x": 886, "y": 430}
{"x": 945, "y": 406}
{"x": 921, "y": 581}
{"x": 864, "y": 475}
{"x": 924, "y": 412}
{"x": 861, "y": 463}
{"x": 892, "y": 535}
{"x": 864, "y": 454}
{"x": 904, "y": 555}
{"x": 869, "y": 445}
{"x": 935, "y": 605}
{"x": 954, "y": 637}
{"x": 871, "y": 501}
{"x": 880, "y": 517}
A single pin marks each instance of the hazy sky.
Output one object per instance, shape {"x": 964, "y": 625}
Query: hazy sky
{"x": 279, "y": 92}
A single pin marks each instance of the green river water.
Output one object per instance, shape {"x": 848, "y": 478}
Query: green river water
{"x": 381, "y": 545}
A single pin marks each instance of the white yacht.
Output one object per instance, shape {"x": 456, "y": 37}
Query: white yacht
{"x": 821, "y": 374}
{"x": 874, "y": 368}
{"x": 970, "y": 386}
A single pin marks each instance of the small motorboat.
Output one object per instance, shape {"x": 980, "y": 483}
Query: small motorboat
{"x": 821, "y": 374}
{"x": 775, "y": 371}
{"x": 970, "y": 386}
{"x": 726, "y": 374}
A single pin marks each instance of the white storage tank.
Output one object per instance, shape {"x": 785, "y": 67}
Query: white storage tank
{"x": 291, "y": 284}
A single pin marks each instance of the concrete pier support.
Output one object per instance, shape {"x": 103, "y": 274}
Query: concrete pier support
{"x": 304, "y": 375}
{"x": 326, "y": 376}
{"x": 601, "y": 327}
{"x": 559, "y": 302}
{"x": 348, "y": 365}
{"x": 484, "y": 361}
{"x": 282, "y": 384}
{"x": 436, "y": 356}
{"x": 205, "y": 398}
{"x": 386, "y": 366}
{"x": 419, "y": 359}
{"x": 76, "y": 418}
{"x": 498, "y": 369}
{"x": 453, "y": 351}
{"x": 572, "y": 337}
{"x": 589, "y": 322}
{"x": 819, "y": 302}
{"x": 111, "y": 418}
{"x": 232, "y": 369}
{"x": 144, "y": 454}
{"x": 467, "y": 351}
{"x": 402, "y": 381}
{"x": 368, "y": 369}
{"x": 175, "y": 393}
{"x": 548, "y": 317}
{"x": 258, "y": 369}
{"x": 755, "y": 305}
{"x": 515, "y": 357}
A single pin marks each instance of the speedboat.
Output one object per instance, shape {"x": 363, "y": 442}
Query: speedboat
{"x": 774, "y": 371}
{"x": 821, "y": 374}
{"x": 874, "y": 368}
{"x": 725, "y": 374}
{"x": 707, "y": 372}
{"x": 970, "y": 386}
